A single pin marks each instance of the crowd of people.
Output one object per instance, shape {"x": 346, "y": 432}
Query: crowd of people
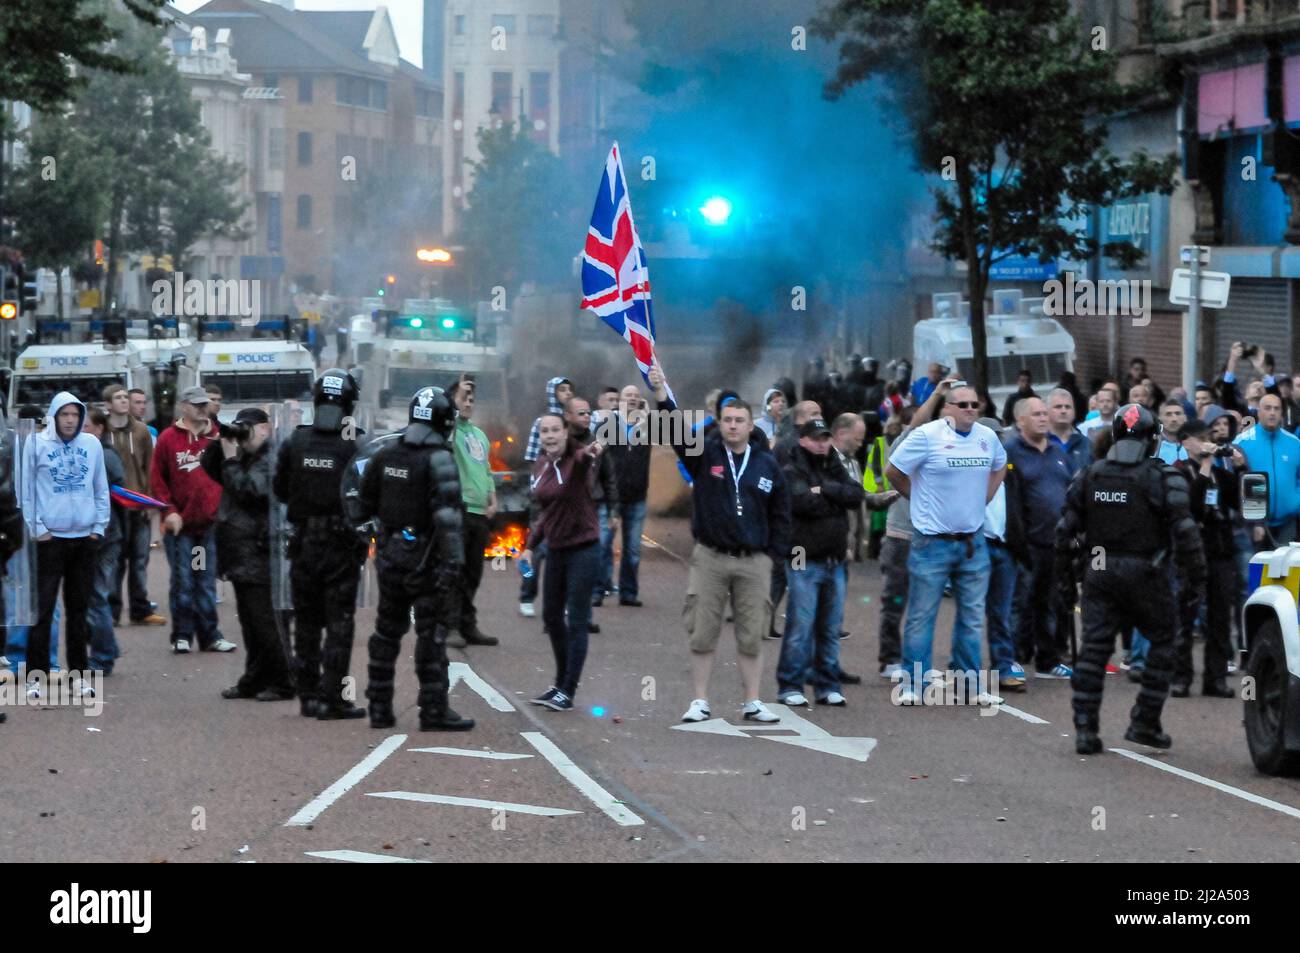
{"x": 951, "y": 495}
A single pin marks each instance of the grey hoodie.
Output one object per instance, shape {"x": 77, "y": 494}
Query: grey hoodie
{"x": 65, "y": 486}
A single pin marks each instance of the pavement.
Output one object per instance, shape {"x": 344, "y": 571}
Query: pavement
{"x": 169, "y": 771}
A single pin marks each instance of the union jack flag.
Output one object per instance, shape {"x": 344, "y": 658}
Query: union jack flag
{"x": 615, "y": 279}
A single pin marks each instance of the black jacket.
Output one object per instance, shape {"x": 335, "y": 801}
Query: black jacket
{"x": 605, "y": 491}
{"x": 243, "y": 518}
{"x": 11, "y": 518}
{"x": 820, "y": 522}
{"x": 1215, "y": 520}
{"x": 764, "y": 525}
{"x": 116, "y": 472}
{"x": 631, "y": 463}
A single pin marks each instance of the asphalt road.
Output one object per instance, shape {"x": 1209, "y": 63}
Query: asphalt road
{"x": 169, "y": 771}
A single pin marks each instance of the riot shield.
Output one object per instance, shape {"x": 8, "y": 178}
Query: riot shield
{"x": 361, "y": 425}
{"x": 20, "y": 578}
{"x": 282, "y": 425}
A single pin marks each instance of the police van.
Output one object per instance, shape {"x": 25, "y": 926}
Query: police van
{"x": 252, "y": 372}
{"x": 42, "y": 370}
{"x": 1019, "y": 336}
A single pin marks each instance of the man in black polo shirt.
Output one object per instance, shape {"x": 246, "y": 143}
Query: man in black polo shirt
{"x": 740, "y": 519}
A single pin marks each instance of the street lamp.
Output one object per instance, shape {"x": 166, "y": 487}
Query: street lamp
{"x": 437, "y": 256}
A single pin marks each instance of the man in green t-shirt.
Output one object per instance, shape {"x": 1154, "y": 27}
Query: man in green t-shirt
{"x": 479, "y": 495}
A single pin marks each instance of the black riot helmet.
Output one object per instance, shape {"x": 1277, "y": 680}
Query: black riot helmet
{"x": 334, "y": 396}
{"x": 1134, "y": 423}
{"x": 431, "y": 412}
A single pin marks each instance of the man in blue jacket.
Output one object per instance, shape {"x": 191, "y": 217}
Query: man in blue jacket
{"x": 1270, "y": 449}
{"x": 66, "y": 504}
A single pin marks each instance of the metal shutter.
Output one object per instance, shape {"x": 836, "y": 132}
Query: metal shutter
{"x": 1258, "y": 312}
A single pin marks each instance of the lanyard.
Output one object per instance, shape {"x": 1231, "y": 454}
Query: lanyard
{"x": 735, "y": 477}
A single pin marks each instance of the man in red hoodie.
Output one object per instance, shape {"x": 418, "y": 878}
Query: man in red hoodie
{"x": 192, "y": 498}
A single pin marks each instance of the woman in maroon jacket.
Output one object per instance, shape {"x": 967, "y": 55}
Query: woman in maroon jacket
{"x": 562, "y": 480}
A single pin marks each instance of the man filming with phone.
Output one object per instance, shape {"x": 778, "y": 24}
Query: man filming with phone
{"x": 1270, "y": 449}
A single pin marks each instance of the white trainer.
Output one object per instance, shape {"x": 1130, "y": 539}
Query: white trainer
{"x": 221, "y": 645}
{"x": 182, "y": 646}
{"x": 756, "y": 711}
{"x": 794, "y": 700}
{"x": 699, "y": 711}
{"x": 892, "y": 672}
{"x": 526, "y": 610}
{"x": 835, "y": 699}
{"x": 82, "y": 688}
{"x": 33, "y": 689}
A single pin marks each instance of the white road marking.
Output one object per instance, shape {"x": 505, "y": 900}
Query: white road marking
{"x": 473, "y": 802}
{"x": 1023, "y": 715}
{"x": 458, "y": 671}
{"x": 343, "y": 785}
{"x": 361, "y": 857}
{"x": 1281, "y": 808}
{"x": 806, "y": 734}
{"x": 473, "y": 753}
{"x": 581, "y": 780}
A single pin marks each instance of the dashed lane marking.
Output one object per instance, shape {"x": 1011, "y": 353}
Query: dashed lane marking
{"x": 615, "y": 809}
{"x": 473, "y": 753}
{"x": 473, "y": 802}
{"x": 1281, "y": 808}
{"x": 318, "y": 805}
{"x": 362, "y": 857}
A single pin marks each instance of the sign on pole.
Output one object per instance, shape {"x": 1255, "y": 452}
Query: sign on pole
{"x": 1214, "y": 288}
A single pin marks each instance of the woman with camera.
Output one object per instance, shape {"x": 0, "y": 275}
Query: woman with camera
{"x": 242, "y": 464}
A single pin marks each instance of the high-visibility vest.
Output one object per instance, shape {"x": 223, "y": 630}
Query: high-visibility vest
{"x": 874, "y": 479}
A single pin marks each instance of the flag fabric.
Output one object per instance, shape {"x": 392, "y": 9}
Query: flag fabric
{"x": 615, "y": 279}
{"x": 133, "y": 500}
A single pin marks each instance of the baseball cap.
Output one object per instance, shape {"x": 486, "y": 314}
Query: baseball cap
{"x": 195, "y": 395}
{"x": 814, "y": 428}
{"x": 252, "y": 415}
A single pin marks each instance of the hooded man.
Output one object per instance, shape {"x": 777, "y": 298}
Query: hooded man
{"x": 66, "y": 505}
{"x": 773, "y": 410}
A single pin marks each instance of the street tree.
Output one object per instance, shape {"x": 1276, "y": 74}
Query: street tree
{"x": 1007, "y": 106}
{"x": 524, "y": 220}
{"x": 49, "y": 46}
{"x": 56, "y": 199}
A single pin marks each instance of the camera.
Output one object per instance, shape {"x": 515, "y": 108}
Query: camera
{"x": 1249, "y": 350}
{"x": 1223, "y": 450}
{"x": 239, "y": 431}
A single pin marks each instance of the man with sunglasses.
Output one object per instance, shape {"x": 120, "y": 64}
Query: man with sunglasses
{"x": 949, "y": 469}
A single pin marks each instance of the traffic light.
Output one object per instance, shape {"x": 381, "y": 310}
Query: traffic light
{"x": 391, "y": 280}
{"x": 9, "y": 293}
{"x": 28, "y": 293}
{"x": 8, "y": 310}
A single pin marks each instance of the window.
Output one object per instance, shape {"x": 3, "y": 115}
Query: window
{"x": 424, "y": 103}
{"x": 304, "y": 211}
{"x": 541, "y": 25}
{"x": 379, "y": 96}
{"x": 506, "y": 22}
{"x": 181, "y": 46}
{"x": 539, "y": 106}
{"x": 501, "y": 93}
{"x": 271, "y": 80}
{"x": 304, "y": 89}
{"x": 304, "y": 148}
{"x": 275, "y": 149}
{"x": 457, "y": 95}
{"x": 458, "y": 27}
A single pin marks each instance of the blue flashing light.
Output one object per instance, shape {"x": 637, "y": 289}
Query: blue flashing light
{"x": 598, "y": 711}
{"x": 716, "y": 210}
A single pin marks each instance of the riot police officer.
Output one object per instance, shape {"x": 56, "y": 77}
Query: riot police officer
{"x": 325, "y": 553}
{"x": 411, "y": 487}
{"x": 1129, "y": 509}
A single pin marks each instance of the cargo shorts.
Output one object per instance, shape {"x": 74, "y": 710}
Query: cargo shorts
{"x": 715, "y": 577}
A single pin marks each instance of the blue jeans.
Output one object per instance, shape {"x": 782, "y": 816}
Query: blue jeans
{"x": 1137, "y": 657}
{"x": 566, "y": 609}
{"x": 16, "y": 643}
{"x": 997, "y": 611}
{"x": 192, "y": 595}
{"x": 632, "y": 516}
{"x": 605, "y": 578}
{"x": 103, "y": 641}
{"x": 810, "y": 649}
{"x": 932, "y": 562}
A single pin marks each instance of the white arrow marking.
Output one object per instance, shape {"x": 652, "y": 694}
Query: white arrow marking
{"x": 316, "y": 807}
{"x": 473, "y": 753}
{"x": 806, "y": 734}
{"x": 581, "y": 780}
{"x": 460, "y": 671}
{"x": 473, "y": 802}
{"x": 361, "y": 857}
